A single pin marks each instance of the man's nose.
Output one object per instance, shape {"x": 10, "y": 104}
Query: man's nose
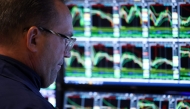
{"x": 67, "y": 54}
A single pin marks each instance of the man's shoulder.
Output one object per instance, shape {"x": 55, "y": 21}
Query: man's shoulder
{"x": 22, "y": 98}
{"x": 15, "y": 95}
{"x": 10, "y": 83}
{"x": 24, "y": 103}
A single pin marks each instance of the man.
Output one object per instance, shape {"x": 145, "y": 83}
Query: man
{"x": 35, "y": 36}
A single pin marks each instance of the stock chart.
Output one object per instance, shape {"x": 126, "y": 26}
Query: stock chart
{"x": 102, "y": 20}
{"x": 136, "y": 20}
{"x": 131, "y": 21}
{"x": 129, "y": 43}
{"x": 102, "y": 59}
{"x": 125, "y": 61}
{"x": 160, "y": 21}
{"x": 77, "y": 13}
{"x": 152, "y": 43}
{"x": 109, "y": 102}
{"x": 79, "y": 102}
{"x": 103, "y": 100}
{"x": 131, "y": 60}
{"x": 161, "y": 61}
{"x": 74, "y": 102}
{"x": 76, "y": 63}
{"x": 183, "y": 104}
{"x": 184, "y": 61}
{"x": 152, "y": 103}
{"x": 148, "y": 103}
{"x": 184, "y": 20}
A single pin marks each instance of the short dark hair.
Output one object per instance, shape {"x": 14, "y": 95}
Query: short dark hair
{"x": 15, "y": 15}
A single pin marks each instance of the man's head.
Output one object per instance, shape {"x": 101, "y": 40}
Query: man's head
{"x": 32, "y": 34}
{"x": 15, "y": 15}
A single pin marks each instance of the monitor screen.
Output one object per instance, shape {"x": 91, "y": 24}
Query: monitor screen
{"x": 109, "y": 100}
{"x": 133, "y": 43}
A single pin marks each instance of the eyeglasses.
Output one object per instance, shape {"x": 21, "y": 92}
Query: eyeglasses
{"x": 69, "y": 41}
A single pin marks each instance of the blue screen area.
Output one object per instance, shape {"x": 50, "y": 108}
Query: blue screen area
{"x": 149, "y": 45}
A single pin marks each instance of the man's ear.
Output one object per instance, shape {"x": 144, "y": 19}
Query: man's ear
{"x": 32, "y": 38}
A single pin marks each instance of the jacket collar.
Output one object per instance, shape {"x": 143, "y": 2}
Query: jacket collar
{"x": 18, "y": 71}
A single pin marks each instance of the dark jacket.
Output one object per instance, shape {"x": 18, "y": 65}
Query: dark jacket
{"x": 19, "y": 86}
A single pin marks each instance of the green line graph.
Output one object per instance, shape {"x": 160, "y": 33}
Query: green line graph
{"x": 129, "y": 14}
{"x": 185, "y": 52}
{"x": 75, "y": 54}
{"x": 102, "y": 21}
{"x": 159, "y": 61}
{"x": 99, "y": 55}
{"x": 161, "y": 56}
{"x": 102, "y": 61}
{"x": 77, "y": 15}
{"x": 185, "y": 59}
{"x": 103, "y": 15}
{"x": 131, "y": 21}
{"x": 109, "y": 104}
{"x": 73, "y": 103}
{"x": 159, "y": 18}
{"x": 183, "y": 105}
{"x": 184, "y": 62}
{"x": 185, "y": 21}
{"x": 128, "y": 56}
{"x": 148, "y": 104}
{"x": 184, "y": 15}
